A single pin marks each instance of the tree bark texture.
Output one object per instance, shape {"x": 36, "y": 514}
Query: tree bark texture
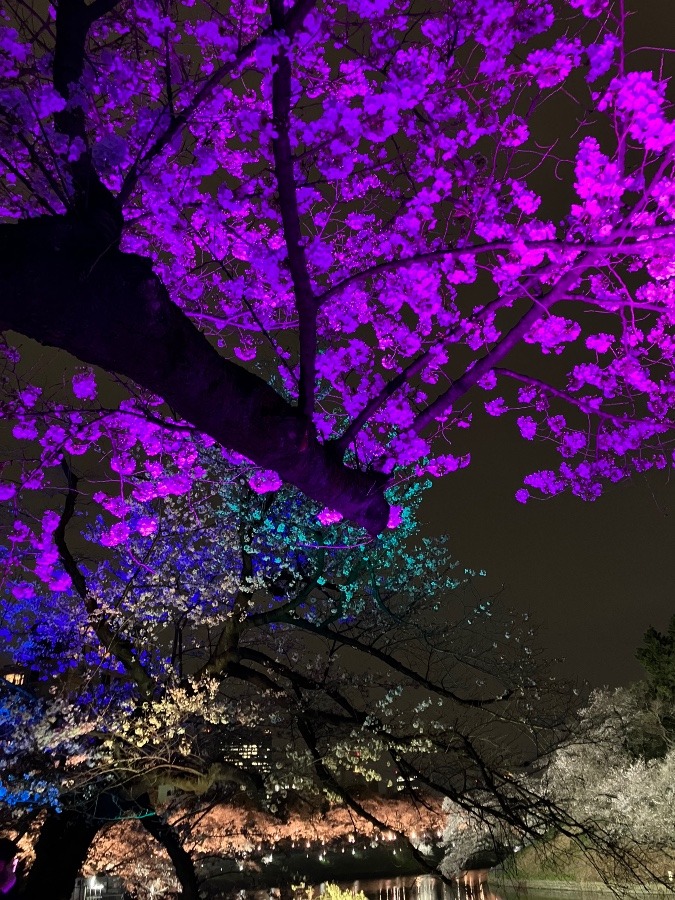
{"x": 166, "y": 835}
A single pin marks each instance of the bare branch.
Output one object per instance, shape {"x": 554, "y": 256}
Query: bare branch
{"x": 581, "y": 403}
{"x": 439, "y": 407}
{"x": 391, "y": 662}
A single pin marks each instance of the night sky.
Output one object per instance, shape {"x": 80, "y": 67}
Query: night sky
{"x": 594, "y": 576}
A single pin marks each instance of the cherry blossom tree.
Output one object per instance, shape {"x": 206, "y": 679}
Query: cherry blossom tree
{"x": 308, "y": 237}
{"x": 608, "y": 777}
{"x": 616, "y": 771}
{"x": 241, "y": 620}
{"x": 610, "y": 783}
{"x": 317, "y": 234}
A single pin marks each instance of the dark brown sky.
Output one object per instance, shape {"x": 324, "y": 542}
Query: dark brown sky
{"x": 595, "y": 575}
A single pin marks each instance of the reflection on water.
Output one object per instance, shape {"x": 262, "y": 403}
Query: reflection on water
{"x": 425, "y": 887}
{"x": 411, "y": 887}
{"x": 472, "y": 886}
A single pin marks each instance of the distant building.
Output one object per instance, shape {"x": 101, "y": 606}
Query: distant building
{"x": 248, "y": 755}
{"x": 246, "y": 748}
{"x": 241, "y": 750}
{"x": 98, "y": 887}
{"x": 14, "y": 675}
{"x": 25, "y": 680}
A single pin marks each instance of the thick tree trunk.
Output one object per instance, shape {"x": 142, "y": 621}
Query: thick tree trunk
{"x": 166, "y": 835}
{"x": 109, "y": 309}
{"x": 60, "y": 852}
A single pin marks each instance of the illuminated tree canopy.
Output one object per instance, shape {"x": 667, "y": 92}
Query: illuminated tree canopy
{"x": 242, "y": 622}
{"x": 616, "y": 773}
{"x": 316, "y": 233}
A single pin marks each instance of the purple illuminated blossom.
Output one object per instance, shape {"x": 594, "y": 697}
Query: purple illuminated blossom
{"x": 395, "y": 517}
{"x": 60, "y": 581}
{"x": 23, "y": 590}
{"x": 601, "y": 56}
{"x": 13, "y": 52}
{"x": 246, "y": 352}
{"x": 329, "y": 516}
{"x": 146, "y": 525}
{"x": 373, "y": 262}
{"x": 590, "y": 8}
{"x": 444, "y": 463}
{"x": 25, "y": 430}
{"x": 118, "y": 534}
{"x": 552, "y": 66}
{"x": 600, "y": 342}
{"x": 84, "y": 386}
{"x": 496, "y": 407}
{"x": 488, "y": 382}
{"x": 264, "y": 481}
{"x": 639, "y": 99}
{"x": 527, "y": 426}
{"x": 552, "y": 333}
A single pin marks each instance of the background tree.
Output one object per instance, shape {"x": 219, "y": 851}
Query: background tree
{"x": 610, "y": 778}
{"x": 616, "y": 773}
{"x": 318, "y": 231}
{"x": 657, "y": 657}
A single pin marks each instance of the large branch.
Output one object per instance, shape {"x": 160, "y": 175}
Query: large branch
{"x": 116, "y": 314}
{"x": 539, "y": 308}
{"x": 91, "y": 200}
{"x": 305, "y": 301}
{"x": 116, "y": 645}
